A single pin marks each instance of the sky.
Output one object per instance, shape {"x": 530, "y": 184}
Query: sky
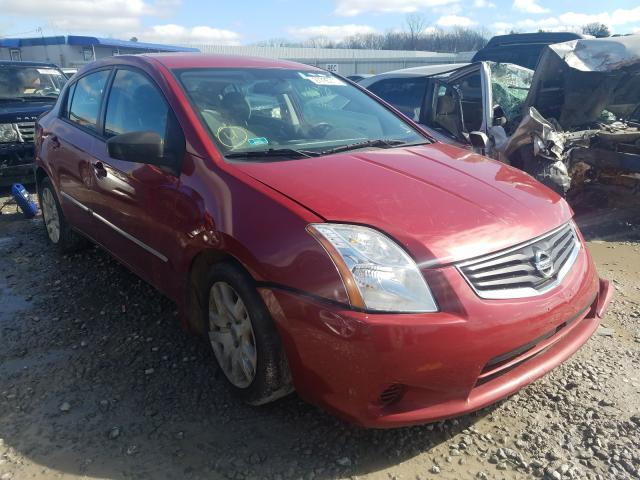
{"x": 249, "y": 21}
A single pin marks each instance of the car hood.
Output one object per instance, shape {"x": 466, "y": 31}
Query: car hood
{"x": 576, "y": 81}
{"x": 443, "y": 203}
{"x": 29, "y": 111}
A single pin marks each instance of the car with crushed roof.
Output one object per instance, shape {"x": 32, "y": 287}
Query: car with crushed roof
{"x": 573, "y": 122}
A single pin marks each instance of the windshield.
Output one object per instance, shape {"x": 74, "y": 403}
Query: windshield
{"x": 27, "y": 82}
{"x": 270, "y": 110}
{"x": 510, "y": 86}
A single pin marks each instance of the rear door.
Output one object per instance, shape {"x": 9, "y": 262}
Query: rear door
{"x": 134, "y": 200}
{"x": 69, "y": 145}
{"x": 405, "y": 93}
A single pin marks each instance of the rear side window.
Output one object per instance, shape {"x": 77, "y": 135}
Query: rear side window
{"x": 87, "y": 96}
{"x": 135, "y": 105}
{"x": 406, "y": 94}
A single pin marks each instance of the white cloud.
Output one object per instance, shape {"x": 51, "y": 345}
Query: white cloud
{"x": 77, "y": 8}
{"x": 451, "y": 9}
{"x": 528, "y": 6}
{"x": 172, "y": 33}
{"x": 502, "y": 27}
{"x": 351, "y": 8}
{"x": 483, "y": 4}
{"x": 333, "y": 32}
{"x": 454, "y": 21}
{"x": 119, "y": 18}
{"x": 573, "y": 21}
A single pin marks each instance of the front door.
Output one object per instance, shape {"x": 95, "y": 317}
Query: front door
{"x": 135, "y": 199}
{"x": 459, "y": 103}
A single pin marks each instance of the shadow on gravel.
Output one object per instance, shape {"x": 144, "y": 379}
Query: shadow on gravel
{"x": 603, "y": 219}
{"x": 99, "y": 379}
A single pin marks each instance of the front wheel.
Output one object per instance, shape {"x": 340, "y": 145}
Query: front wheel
{"x": 243, "y": 337}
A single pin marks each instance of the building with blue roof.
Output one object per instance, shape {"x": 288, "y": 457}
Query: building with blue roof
{"x": 73, "y": 51}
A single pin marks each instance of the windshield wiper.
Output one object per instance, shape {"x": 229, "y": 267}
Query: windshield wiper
{"x": 380, "y": 143}
{"x": 272, "y": 152}
{"x": 11, "y": 99}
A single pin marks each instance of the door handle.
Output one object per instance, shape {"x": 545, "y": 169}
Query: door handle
{"x": 100, "y": 170}
{"x": 55, "y": 143}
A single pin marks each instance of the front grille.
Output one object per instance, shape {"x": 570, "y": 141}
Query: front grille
{"x": 525, "y": 270}
{"x": 27, "y": 131}
{"x": 501, "y": 364}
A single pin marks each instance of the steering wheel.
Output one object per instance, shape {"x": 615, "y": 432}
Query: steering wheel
{"x": 320, "y": 130}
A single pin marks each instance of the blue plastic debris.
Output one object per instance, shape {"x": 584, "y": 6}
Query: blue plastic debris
{"x": 23, "y": 199}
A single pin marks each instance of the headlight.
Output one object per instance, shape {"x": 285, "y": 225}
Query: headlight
{"x": 8, "y": 133}
{"x": 377, "y": 273}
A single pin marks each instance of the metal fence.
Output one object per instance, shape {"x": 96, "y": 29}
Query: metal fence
{"x": 344, "y": 61}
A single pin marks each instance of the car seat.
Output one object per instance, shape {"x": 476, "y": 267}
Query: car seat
{"x": 236, "y": 108}
{"x": 447, "y": 116}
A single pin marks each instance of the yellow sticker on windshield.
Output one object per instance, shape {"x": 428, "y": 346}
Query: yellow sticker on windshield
{"x": 232, "y": 136}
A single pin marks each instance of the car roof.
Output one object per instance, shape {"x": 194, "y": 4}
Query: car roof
{"x": 199, "y": 60}
{"x": 28, "y": 64}
{"x": 424, "y": 71}
{"x": 532, "y": 38}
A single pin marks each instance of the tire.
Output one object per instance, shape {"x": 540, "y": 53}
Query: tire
{"x": 552, "y": 174}
{"x": 59, "y": 232}
{"x": 243, "y": 336}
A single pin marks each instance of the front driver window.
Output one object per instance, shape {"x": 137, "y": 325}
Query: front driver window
{"x": 135, "y": 105}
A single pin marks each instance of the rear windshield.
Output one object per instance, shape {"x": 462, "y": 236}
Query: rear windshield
{"x": 259, "y": 109}
{"x": 30, "y": 83}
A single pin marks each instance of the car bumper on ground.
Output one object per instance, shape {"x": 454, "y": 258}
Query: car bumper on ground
{"x": 16, "y": 163}
{"x": 391, "y": 370}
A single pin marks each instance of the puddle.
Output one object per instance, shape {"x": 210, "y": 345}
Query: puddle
{"x": 49, "y": 359}
{"x": 11, "y": 302}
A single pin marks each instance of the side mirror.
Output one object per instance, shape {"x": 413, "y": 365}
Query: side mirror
{"x": 499, "y": 117}
{"x": 143, "y": 147}
{"x": 479, "y": 141}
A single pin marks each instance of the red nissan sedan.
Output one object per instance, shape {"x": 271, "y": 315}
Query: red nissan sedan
{"x": 321, "y": 241}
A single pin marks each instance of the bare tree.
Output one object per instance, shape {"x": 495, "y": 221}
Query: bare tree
{"x": 598, "y": 30}
{"x": 318, "y": 42}
{"x": 416, "y": 24}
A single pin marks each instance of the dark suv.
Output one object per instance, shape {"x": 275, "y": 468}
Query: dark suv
{"x": 523, "y": 49}
{"x": 27, "y": 89}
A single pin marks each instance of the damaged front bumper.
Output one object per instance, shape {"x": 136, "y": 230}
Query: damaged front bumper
{"x": 16, "y": 163}
{"x": 564, "y": 160}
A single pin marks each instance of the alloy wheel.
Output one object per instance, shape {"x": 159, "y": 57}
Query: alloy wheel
{"x": 231, "y": 335}
{"x": 50, "y": 215}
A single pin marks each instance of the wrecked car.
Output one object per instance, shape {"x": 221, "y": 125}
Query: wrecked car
{"x": 573, "y": 121}
{"x": 27, "y": 89}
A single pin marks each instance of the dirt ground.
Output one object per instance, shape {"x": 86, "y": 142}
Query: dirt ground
{"x": 98, "y": 380}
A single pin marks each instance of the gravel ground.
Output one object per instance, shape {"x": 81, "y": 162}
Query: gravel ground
{"x": 97, "y": 380}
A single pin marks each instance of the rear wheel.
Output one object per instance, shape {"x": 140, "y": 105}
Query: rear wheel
{"x": 243, "y": 337}
{"x": 58, "y": 230}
